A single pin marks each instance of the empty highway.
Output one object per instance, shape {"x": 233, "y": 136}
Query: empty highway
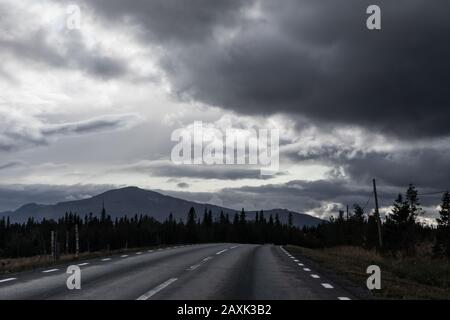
{"x": 205, "y": 271}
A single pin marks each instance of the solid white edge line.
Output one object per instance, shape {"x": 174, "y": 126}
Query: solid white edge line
{"x": 327, "y": 286}
{"x": 50, "y": 270}
{"x": 344, "y": 298}
{"x": 8, "y": 279}
{"x": 154, "y": 291}
{"x": 83, "y": 264}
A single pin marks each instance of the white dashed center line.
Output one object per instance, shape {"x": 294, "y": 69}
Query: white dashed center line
{"x": 106, "y": 259}
{"x": 300, "y": 264}
{"x": 8, "y": 279}
{"x": 222, "y": 251}
{"x": 154, "y": 291}
{"x": 344, "y": 298}
{"x": 191, "y": 268}
{"x": 138, "y": 253}
{"x": 307, "y": 269}
{"x": 207, "y": 258}
{"x": 315, "y": 276}
{"x": 327, "y": 286}
{"x": 234, "y": 247}
{"x": 50, "y": 270}
{"x": 83, "y": 264}
{"x": 124, "y": 256}
{"x": 150, "y": 251}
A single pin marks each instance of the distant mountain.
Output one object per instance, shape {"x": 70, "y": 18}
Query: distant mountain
{"x": 132, "y": 200}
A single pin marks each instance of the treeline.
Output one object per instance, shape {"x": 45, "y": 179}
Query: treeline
{"x": 103, "y": 233}
{"x": 401, "y": 232}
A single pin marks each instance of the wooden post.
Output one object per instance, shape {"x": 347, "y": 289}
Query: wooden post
{"x": 67, "y": 242}
{"x": 52, "y": 244}
{"x": 377, "y": 214}
{"x": 77, "y": 242}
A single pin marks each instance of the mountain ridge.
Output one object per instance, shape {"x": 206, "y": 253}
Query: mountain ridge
{"x": 133, "y": 200}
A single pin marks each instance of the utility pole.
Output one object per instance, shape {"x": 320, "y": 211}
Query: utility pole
{"x": 347, "y": 212}
{"x": 77, "y": 242}
{"x": 377, "y": 214}
{"x": 52, "y": 244}
{"x": 67, "y": 241}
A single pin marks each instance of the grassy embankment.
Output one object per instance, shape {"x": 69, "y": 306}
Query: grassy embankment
{"x": 420, "y": 277}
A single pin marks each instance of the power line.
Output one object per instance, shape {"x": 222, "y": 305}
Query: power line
{"x": 370, "y": 197}
{"x": 432, "y": 193}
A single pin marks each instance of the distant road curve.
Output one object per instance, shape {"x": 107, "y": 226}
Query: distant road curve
{"x": 206, "y": 271}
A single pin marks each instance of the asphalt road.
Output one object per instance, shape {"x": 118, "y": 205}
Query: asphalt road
{"x": 207, "y": 271}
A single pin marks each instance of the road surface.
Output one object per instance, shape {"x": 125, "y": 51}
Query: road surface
{"x": 205, "y": 271}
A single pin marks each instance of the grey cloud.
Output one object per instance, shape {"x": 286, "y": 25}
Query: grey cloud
{"x": 18, "y": 130}
{"x": 11, "y": 164}
{"x": 220, "y": 172}
{"x": 322, "y": 197}
{"x": 37, "y": 48}
{"x": 183, "y": 185}
{"x": 107, "y": 122}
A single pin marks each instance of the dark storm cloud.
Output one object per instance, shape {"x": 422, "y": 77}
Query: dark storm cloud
{"x": 14, "y": 196}
{"x": 170, "y": 21}
{"x": 317, "y": 59}
{"x": 426, "y": 168}
{"x": 312, "y": 58}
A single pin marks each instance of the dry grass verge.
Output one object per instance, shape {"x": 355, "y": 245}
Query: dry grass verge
{"x": 401, "y": 278}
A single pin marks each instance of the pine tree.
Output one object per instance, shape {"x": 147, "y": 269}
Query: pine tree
{"x": 400, "y": 211}
{"x": 444, "y": 212}
{"x": 442, "y": 244}
{"x": 242, "y": 217}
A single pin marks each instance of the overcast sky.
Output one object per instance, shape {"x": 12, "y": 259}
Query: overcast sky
{"x": 86, "y": 110}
